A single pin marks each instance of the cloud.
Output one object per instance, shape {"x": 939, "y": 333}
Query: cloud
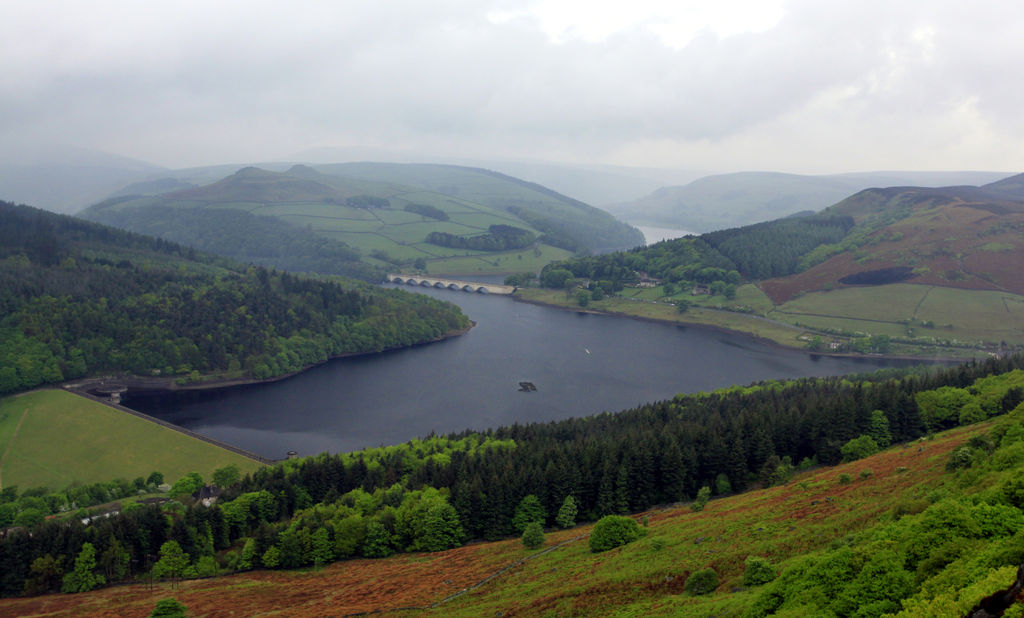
{"x": 805, "y": 85}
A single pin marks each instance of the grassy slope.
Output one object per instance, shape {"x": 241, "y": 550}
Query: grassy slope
{"x": 95, "y": 443}
{"x": 398, "y": 233}
{"x": 643, "y": 578}
{"x": 473, "y": 199}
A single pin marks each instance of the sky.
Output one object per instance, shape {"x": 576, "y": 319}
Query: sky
{"x": 813, "y": 86}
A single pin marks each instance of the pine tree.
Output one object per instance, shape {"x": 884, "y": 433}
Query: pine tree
{"x": 566, "y": 517}
{"x": 533, "y": 536}
{"x": 83, "y": 578}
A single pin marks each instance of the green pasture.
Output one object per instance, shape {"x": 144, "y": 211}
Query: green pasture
{"x": 483, "y": 263}
{"x": 739, "y": 322}
{"x": 65, "y": 439}
{"x": 748, "y": 295}
{"x": 930, "y": 311}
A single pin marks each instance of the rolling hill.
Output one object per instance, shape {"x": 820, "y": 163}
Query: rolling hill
{"x": 733, "y": 200}
{"x": 901, "y": 270}
{"x": 80, "y": 299}
{"x": 956, "y": 237}
{"x": 365, "y": 217}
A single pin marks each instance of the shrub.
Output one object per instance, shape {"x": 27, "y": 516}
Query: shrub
{"x": 612, "y": 531}
{"x": 859, "y": 448}
{"x": 845, "y": 479}
{"x": 961, "y": 457}
{"x": 866, "y": 473}
{"x": 529, "y": 510}
{"x": 703, "y": 495}
{"x": 757, "y": 571}
{"x": 533, "y": 536}
{"x": 168, "y": 608}
{"x": 703, "y": 581}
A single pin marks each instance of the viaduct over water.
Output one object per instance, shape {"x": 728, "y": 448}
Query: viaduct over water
{"x": 451, "y": 284}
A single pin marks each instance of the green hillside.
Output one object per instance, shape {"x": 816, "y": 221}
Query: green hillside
{"x": 902, "y": 270}
{"x": 80, "y": 299}
{"x": 95, "y": 443}
{"x": 908, "y": 503}
{"x": 360, "y": 219}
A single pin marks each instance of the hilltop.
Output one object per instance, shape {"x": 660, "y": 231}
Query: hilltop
{"x": 359, "y": 219}
{"x": 743, "y": 198}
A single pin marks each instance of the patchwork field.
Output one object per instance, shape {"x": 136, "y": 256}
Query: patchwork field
{"x": 94, "y": 443}
{"x": 908, "y": 310}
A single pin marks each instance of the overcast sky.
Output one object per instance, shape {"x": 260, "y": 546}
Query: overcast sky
{"x": 806, "y": 86}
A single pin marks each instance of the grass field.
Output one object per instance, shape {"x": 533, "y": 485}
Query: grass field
{"x": 739, "y": 322}
{"x": 63, "y": 439}
{"x": 643, "y": 578}
{"x": 482, "y": 263}
{"x": 963, "y": 315}
{"x": 931, "y": 321}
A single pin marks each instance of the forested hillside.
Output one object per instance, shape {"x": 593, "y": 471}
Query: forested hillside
{"x": 435, "y": 493}
{"x": 78, "y": 299}
{"x": 754, "y": 252}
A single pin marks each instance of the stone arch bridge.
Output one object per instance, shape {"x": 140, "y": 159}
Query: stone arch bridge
{"x": 451, "y": 284}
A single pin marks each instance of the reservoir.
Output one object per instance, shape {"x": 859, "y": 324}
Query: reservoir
{"x": 581, "y": 364}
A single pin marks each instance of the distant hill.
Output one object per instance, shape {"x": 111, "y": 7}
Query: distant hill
{"x": 733, "y": 200}
{"x": 959, "y": 237}
{"x": 65, "y": 179}
{"x": 549, "y": 211}
{"x": 153, "y": 187}
{"x": 358, "y": 219}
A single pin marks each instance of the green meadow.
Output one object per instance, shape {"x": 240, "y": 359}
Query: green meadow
{"x": 54, "y": 438}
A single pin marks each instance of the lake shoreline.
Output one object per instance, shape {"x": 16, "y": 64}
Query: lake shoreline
{"x": 156, "y": 385}
{"x": 732, "y": 331}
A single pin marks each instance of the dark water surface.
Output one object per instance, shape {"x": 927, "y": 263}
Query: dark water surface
{"x": 582, "y": 364}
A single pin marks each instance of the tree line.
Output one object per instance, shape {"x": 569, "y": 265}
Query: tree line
{"x": 498, "y": 238}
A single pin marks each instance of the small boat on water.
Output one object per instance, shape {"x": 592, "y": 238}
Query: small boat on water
{"x": 527, "y": 387}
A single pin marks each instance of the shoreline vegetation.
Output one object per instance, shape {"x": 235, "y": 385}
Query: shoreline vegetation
{"x": 764, "y": 330}
{"x": 153, "y": 384}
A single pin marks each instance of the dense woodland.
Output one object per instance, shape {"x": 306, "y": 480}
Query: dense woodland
{"x": 754, "y": 252}
{"x": 497, "y": 238}
{"x": 79, "y": 298}
{"x": 438, "y": 492}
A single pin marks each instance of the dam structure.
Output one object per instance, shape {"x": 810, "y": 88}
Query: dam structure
{"x": 451, "y": 284}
